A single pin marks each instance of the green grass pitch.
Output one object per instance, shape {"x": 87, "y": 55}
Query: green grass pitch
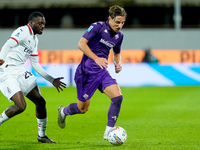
{"x": 155, "y": 118}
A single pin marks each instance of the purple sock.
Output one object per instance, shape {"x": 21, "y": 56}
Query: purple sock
{"x": 71, "y": 109}
{"x": 114, "y": 110}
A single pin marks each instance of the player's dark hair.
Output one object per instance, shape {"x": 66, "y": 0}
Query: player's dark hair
{"x": 35, "y": 15}
{"x": 116, "y": 11}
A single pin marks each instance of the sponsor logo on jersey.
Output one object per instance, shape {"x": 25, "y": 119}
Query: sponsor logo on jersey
{"x": 28, "y": 52}
{"x": 108, "y": 43}
{"x": 90, "y": 28}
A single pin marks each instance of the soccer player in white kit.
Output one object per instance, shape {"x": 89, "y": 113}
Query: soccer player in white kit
{"x": 16, "y": 82}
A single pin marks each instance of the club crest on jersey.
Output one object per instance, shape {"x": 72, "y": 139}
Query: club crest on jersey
{"x": 17, "y": 35}
{"x": 116, "y": 36}
{"x": 85, "y": 96}
{"x": 90, "y": 28}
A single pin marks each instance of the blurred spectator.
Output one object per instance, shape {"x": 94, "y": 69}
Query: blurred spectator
{"x": 148, "y": 57}
{"x": 67, "y": 21}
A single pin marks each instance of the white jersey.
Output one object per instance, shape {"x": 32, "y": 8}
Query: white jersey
{"x": 27, "y": 44}
{"x": 22, "y": 46}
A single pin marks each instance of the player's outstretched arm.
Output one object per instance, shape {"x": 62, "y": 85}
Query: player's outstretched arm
{"x": 59, "y": 84}
{"x": 38, "y": 68}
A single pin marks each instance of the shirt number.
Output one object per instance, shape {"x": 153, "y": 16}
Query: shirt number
{"x": 28, "y": 74}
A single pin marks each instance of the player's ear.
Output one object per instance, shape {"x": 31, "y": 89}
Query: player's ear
{"x": 30, "y": 23}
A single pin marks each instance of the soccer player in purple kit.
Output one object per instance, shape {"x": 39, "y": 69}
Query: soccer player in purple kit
{"x": 92, "y": 73}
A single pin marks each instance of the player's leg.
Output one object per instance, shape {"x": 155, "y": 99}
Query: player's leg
{"x": 85, "y": 86}
{"x": 114, "y": 93}
{"x": 40, "y": 103}
{"x": 41, "y": 114}
{"x": 80, "y": 107}
{"x": 30, "y": 89}
{"x": 18, "y": 107}
{"x": 11, "y": 89}
{"x": 77, "y": 108}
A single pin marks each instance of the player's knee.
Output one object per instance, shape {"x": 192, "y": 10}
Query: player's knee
{"x": 117, "y": 100}
{"x": 20, "y": 108}
{"x": 41, "y": 102}
{"x": 83, "y": 110}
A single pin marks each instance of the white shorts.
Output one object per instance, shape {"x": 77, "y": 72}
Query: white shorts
{"x": 12, "y": 82}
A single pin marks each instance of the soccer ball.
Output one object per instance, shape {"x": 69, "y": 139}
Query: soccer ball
{"x": 117, "y": 135}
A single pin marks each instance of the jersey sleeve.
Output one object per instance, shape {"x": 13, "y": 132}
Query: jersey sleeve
{"x": 34, "y": 60}
{"x": 35, "y": 50}
{"x": 7, "y": 47}
{"x": 19, "y": 34}
{"x": 117, "y": 47}
{"x": 92, "y": 31}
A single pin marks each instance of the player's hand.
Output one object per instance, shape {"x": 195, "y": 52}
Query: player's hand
{"x": 59, "y": 84}
{"x": 118, "y": 68}
{"x": 1, "y": 62}
{"x": 102, "y": 62}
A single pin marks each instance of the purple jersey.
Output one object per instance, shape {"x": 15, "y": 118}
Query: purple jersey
{"x": 89, "y": 76}
{"x": 100, "y": 40}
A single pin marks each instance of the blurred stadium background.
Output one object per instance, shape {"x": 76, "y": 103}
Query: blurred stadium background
{"x": 169, "y": 28}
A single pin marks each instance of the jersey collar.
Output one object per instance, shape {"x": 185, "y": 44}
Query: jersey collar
{"x": 30, "y": 29}
{"x": 108, "y": 27}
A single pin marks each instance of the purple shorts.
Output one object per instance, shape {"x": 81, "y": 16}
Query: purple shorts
{"x": 86, "y": 84}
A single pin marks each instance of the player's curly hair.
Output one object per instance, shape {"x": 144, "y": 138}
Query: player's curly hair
{"x": 34, "y": 15}
{"x": 116, "y": 11}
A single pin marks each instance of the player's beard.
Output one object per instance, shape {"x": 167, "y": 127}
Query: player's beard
{"x": 37, "y": 31}
{"x": 40, "y": 31}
